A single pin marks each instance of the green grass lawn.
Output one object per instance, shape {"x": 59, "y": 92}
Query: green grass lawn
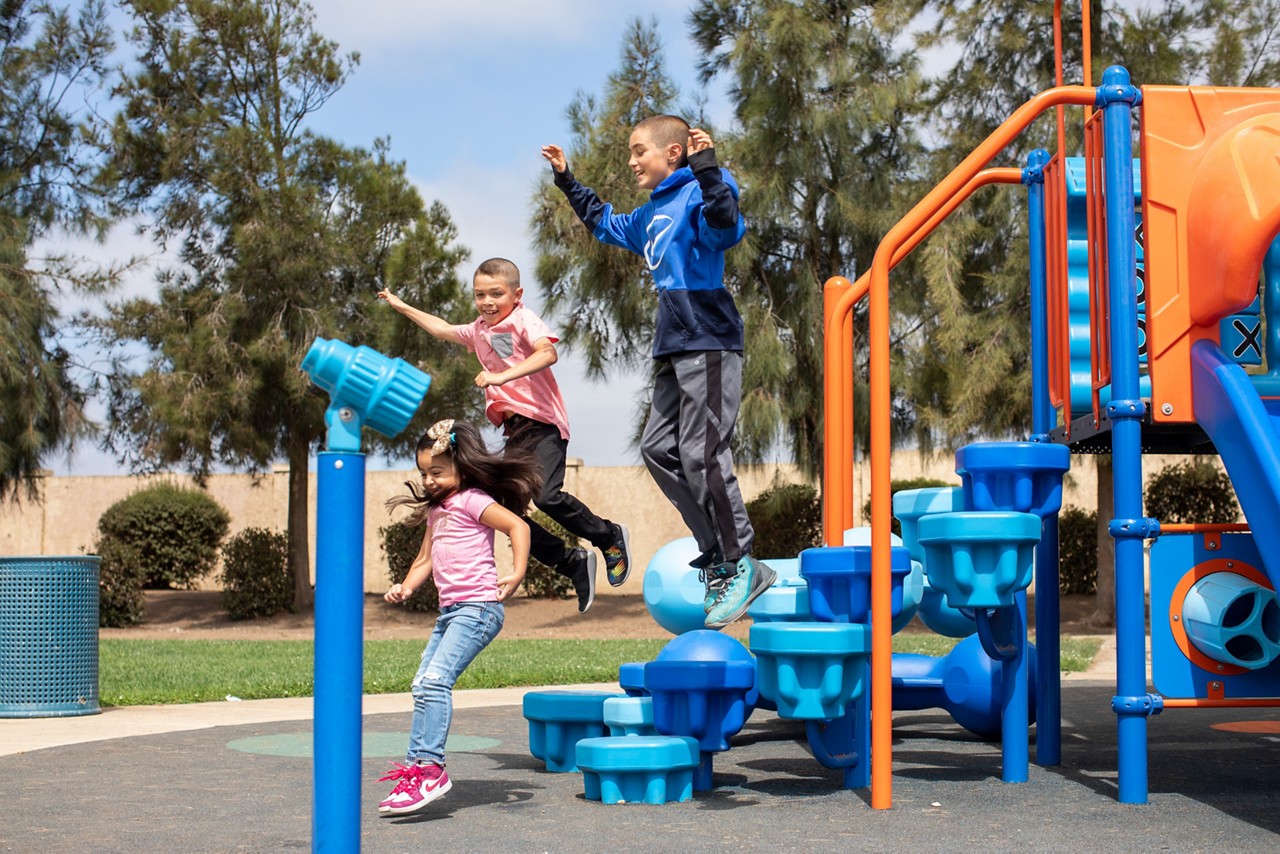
{"x": 138, "y": 672}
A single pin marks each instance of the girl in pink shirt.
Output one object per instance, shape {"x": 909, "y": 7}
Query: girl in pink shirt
{"x": 466, "y": 494}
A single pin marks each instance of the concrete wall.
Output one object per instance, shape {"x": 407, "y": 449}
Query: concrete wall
{"x": 65, "y": 522}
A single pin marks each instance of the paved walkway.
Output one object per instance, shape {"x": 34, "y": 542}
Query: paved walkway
{"x": 236, "y": 776}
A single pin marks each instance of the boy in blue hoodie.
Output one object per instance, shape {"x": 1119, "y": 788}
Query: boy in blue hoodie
{"x": 682, "y": 232}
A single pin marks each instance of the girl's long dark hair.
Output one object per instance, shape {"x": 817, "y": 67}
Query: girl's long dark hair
{"x": 512, "y": 479}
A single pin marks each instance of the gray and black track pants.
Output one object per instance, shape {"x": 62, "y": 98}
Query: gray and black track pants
{"x": 686, "y": 446}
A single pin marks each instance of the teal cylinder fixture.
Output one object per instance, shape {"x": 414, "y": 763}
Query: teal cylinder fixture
{"x": 365, "y": 388}
{"x": 1233, "y": 620}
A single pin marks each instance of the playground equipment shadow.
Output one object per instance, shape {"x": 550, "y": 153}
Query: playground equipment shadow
{"x": 236, "y": 776}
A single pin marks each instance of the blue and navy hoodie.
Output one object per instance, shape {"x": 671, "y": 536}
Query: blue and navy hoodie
{"x": 682, "y": 232}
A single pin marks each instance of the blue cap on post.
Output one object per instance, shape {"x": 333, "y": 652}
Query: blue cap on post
{"x": 365, "y": 387}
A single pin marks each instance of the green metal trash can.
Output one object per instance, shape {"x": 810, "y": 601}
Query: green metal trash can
{"x": 48, "y": 636}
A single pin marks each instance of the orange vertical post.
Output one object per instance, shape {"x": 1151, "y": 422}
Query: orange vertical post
{"x": 835, "y": 384}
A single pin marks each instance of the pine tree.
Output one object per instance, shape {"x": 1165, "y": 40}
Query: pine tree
{"x": 283, "y": 236}
{"x": 605, "y": 296}
{"x": 49, "y": 60}
{"x": 826, "y": 152}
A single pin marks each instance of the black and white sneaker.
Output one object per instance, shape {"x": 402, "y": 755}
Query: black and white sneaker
{"x": 581, "y": 565}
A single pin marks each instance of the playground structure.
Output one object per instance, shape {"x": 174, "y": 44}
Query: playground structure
{"x": 1128, "y": 341}
{"x": 1144, "y": 277}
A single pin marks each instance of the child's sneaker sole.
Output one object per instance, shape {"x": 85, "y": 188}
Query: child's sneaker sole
{"x": 427, "y": 797}
{"x": 591, "y": 583}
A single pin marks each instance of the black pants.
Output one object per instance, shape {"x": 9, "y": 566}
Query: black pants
{"x": 544, "y": 443}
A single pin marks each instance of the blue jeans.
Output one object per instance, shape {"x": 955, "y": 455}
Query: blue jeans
{"x": 462, "y": 631}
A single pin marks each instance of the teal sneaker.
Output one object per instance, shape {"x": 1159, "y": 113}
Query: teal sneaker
{"x": 750, "y": 580}
{"x": 716, "y": 578}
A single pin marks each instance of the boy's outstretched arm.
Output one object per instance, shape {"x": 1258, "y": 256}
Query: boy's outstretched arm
{"x": 437, "y": 327}
{"x": 605, "y": 225}
{"x": 543, "y": 356}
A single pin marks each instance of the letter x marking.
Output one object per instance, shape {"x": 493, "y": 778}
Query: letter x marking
{"x": 1250, "y": 339}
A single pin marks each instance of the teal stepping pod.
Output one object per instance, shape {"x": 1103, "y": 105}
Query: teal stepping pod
{"x": 811, "y": 670}
{"x": 977, "y": 559}
{"x": 911, "y": 505}
{"x": 558, "y": 720}
{"x": 645, "y": 769}
{"x": 629, "y": 716}
{"x": 787, "y": 600}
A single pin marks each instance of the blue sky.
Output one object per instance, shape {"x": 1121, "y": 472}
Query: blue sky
{"x": 468, "y": 93}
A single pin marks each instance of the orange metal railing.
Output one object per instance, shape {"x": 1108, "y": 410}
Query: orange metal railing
{"x": 1057, "y": 302}
{"x": 1099, "y": 284}
{"x": 839, "y": 297}
{"x": 880, "y": 396}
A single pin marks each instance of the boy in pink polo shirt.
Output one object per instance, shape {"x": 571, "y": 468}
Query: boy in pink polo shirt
{"x": 516, "y": 350}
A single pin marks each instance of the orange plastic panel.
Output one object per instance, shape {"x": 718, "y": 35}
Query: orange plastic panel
{"x": 1211, "y": 207}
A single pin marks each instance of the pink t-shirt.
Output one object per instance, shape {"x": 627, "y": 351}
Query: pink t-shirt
{"x": 462, "y": 549}
{"x": 505, "y": 345}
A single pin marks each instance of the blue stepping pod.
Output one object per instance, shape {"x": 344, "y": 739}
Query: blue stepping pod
{"x": 910, "y": 505}
{"x": 558, "y": 720}
{"x": 1025, "y": 477}
{"x": 786, "y": 601}
{"x": 839, "y": 579}
{"x": 631, "y": 679}
{"x": 638, "y": 769}
{"x": 703, "y": 699}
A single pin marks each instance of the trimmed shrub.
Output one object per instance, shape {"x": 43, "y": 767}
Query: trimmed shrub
{"x": 540, "y": 580}
{"x": 787, "y": 519}
{"x": 896, "y": 486}
{"x": 1192, "y": 491}
{"x": 173, "y": 533}
{"x": 1077, "y": 551}
{"x": 401, "y": 543}
{"x": 256, "y": 577}
{"x": 120, "y": 579}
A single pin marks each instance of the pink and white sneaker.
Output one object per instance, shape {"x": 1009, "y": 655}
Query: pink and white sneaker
{"x": 417, "y": 786}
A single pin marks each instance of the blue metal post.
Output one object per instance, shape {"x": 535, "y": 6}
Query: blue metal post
{"x": 1117, "y": 98}
{"x": 1015, "y": 729}
{"x": 1271, "y": 305}
{"x": 1048, "y": 654}
{"x": 859, "y": 776}
{"x": 1042, "y": 417}
{"x": 339, "y": 656}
